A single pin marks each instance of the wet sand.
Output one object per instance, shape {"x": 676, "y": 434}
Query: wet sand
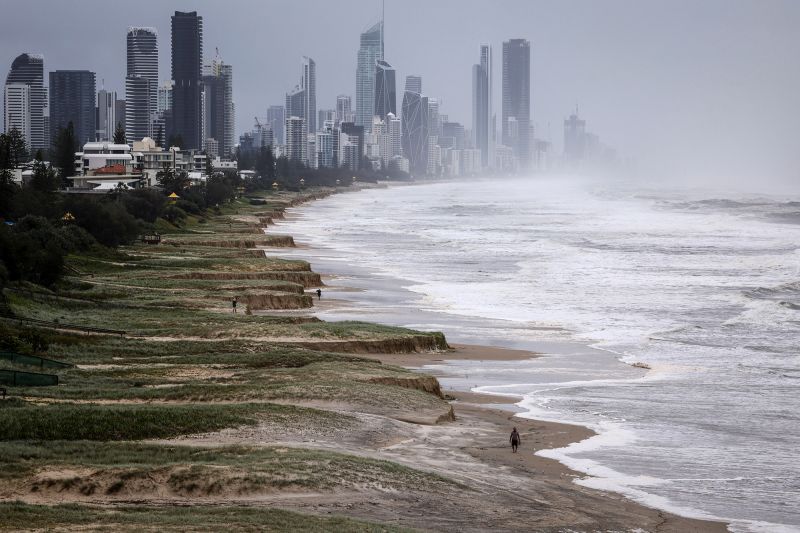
{"x": 459, "y": 352}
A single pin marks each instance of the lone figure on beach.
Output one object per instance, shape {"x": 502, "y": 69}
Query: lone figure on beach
{"x": 515, "y": 440}
{"x": 234, "y": 303}
{"x": 319, "y": 294}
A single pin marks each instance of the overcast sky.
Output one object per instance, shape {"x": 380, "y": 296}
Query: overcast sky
{"x": 694, "y": 87}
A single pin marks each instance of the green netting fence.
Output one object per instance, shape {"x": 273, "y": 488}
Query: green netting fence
{"x": 15, "y": 378}
{"x": 32, "y": 360}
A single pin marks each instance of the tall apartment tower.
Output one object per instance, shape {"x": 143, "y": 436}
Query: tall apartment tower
{"x": 482, "y": 117}
{"x": 72, "y": 98}
{"x": 218, "y": 116}
{"x": 105, "y": 115}
{"x": 296, "y": 140}
{"x": 187, "y": 58}
{"x": 309, "y": 83}
{"x": 369, "y": 53}
{"x": 415, "y": 131}
{"x": 28, "y": 69}
{"x": 574, "y": 138}
{"x": 302, "y": 100}
{"x": 413, "y": 84}
{"x": 17, "y": 106}
{"x": 141, "y": 83}
{"x": 385, "y": 91}
{"x": 276, "y": 117}
{"x": 344, "y": 109}
{"x": 517, "y": 98}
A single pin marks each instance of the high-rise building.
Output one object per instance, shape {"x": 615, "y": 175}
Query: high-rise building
{"x": 344, "y": 110}
{"x": 385, "y": 91}
{"x": 105, "y": 115}
{"x": 17, "y": 105}
{"x": 355, "y": 135}
{"x": 574, "y": 138}
{"x": 187, "y": 58}
{"x": 323, "y": 116}
{"x": 28, "y": 69}
{"x": 138, "y": 118}
{"x": 296, "y": 139}
{"x": 414, "y": 84}
{"x": 482, "y": 117}
{"x": 218, "y": 115}
{"x": 434, "y": 118}
{"x": 164, "y": 97}
{"x": 455, "y": 135}
{"x": 302, "y": 100}
{"x": 72, "y": 99}
{"x": 370, "y": 52}
{"x": 120, "y": 109}
{"x": 517, "y": 97}
{"x": 295, "y": 100}
{"x": 309, "y": 82}
{"x": 324, "y": 146}
{"x": 415, "y": 131}
{"x": 276, "y": 117}
{"x": 141, "y": 83}
{"x": 390, "y": 139}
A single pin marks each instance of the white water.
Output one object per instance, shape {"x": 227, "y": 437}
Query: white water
{"x": 703, "y": 287}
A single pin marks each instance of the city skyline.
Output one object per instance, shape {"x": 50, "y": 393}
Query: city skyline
{"x": 569, "y": 66}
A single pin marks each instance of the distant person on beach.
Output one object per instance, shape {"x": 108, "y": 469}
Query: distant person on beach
{"x": 319, "y": 294}
{"x": 234, "y": 303}
{"x": 515, "y": 440}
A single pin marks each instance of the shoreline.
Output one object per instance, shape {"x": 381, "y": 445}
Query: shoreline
{"x": 490, "y": 411}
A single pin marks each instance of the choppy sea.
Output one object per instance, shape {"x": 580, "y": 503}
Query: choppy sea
{"x": 701, "y": 286}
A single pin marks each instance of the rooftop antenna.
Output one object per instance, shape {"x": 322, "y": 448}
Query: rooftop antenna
{"x": 383, "y": 19}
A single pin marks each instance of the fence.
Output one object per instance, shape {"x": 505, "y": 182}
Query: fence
{"x": 27, "y": 379}
{"x": 32, "y": 360}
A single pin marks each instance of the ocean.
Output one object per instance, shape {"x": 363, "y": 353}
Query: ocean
{"x": 701, "y": 286}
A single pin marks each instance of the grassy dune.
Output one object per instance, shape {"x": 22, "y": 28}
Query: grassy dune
{"x": 22, "y": 517}
{"x": 187, "y": 366}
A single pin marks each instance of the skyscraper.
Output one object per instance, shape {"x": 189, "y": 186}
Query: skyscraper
{"x": 574, "y": 138}
{"x": 385, "y": 91}
{"x": 187, "y": 58}
{"x": 517, "y": 97}
{"x": 415, "y": 131}
{"x": 295, "y": 102}
{"x": 72, "y": 98}
{"x": 325, "y": 115}
{"x": 302, "y": 100}
{"x": 28, "y": 69}
{"x": 309, "y": 83}
{"x": 369, "y": 53}
{"x": 218, "y": 116}
{"x": 482, "y": 117}
{"x": 141, "y": 83}
{"x": 355, "y": 135}
{"x": 344, "y": 109}
{"x": 296, "y": 140}
{"x": 276, "y": 119}
{"x": 17, "y": 105}
{"x": 414, "y": 84}
{"x": 105, "y": 115}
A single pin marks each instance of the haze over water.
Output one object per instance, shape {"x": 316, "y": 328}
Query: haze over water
{"x": 701, "y": 286}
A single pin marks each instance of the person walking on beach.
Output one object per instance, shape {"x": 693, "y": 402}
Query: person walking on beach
{"x": 515, "y": 440}
{"x": 319, "y": 294}
{"x": 234, "y": 303}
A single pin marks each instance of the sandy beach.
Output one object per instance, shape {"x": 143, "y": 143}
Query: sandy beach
{"x": 517, "y": 482}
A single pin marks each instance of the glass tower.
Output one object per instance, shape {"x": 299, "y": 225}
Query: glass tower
{"x": 28, "y": 69}
{"x": 187, "y": 58}
{"x": 369, "y": 53}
